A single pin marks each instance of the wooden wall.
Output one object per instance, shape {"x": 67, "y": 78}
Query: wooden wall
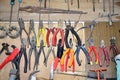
{"x": 102, "y": 31}
{"x": 44, "y": 71}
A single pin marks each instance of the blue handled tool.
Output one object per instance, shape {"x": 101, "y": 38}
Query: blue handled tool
{"x": 12, "y": 4}
{"x": 20, "y": 1}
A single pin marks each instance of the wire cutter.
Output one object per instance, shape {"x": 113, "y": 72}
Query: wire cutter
{"x": 41, "y": 50}
{"x": 113, "y": 47}
{"x": 41, "y": 31}
{"x": 60, "y": 50}
{"x": 103, "y": 49}
{"x": 33, "y": 48}
{"x": 92, "y": 48}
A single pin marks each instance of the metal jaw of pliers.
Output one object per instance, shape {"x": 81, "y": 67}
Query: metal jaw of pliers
{"x": 5, "y": 47}
{"x": 51, "y": 48}
{"x": 31, "y": 29}
{"x": 41, "y": 31}
{"x": 22, "y": 27}
{"x": 33, "y": 48}
{"x": 41, "y": 50}
{"x": 69, "y": 53}
{"x": 103, "y": 49}
{"x": 92, "y": 48}
{"x": 113, "y": 46}
{"x": 60, "y": 50}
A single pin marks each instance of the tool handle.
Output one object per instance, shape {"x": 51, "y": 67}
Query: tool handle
{"x": 20, "y": 1}
{"x": 12, "y": 2}
{"x": 40, "y": 0}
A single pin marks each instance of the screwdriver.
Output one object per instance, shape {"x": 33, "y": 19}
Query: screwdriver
{"x": 20, "y": 1}
{"x": 11, "y": 3}
{"x": 40, "y": 1}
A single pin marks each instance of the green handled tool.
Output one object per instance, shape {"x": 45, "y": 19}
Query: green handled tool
{"x": 12, "y": 4}
{"x": 20, "y": 1}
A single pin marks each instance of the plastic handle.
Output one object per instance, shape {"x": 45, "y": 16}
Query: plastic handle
{"x": 20, "y": 1}
{"x": 40, "y": 0}
{"x": 12, "y": 2}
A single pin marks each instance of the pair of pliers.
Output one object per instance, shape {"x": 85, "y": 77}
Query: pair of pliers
{"x": 41, "y": 50}
{"x": 33, "y": 48}
{"x": 23, "y": 52}
{"x": 92, "y": 48}
{"x": 103, "y": 50}
{"x": 69, "y": 53}
{"x": 113, "y": 47}
{"x": 41, "y": 31}
{"x": 60, "y": 50}
{"x": 11, "y": 57}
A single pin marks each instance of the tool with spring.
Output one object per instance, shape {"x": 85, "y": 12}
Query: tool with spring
{"x": 12, "y": 4}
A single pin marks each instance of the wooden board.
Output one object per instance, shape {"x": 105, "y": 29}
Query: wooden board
{"x": 44, "y": 71}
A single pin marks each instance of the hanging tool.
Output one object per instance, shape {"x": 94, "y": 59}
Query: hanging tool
{"x": 45, "y": 3}
{"x": 31, "y": 29}
{"x": 41, "y": 50}
{"x": 78, "y": 1}
{"x": 32, "y": 9}
{"x": 69, "y": 53}
{"x": 103, "y": 50}
{"x": 41, "y": 30}
{"x": 33, "y": 48}
{"x": 12, "y": 4}
{"x": 113, "y": 7}
{"x": 19, "y": 1}
{"x": 104, "y": 5}
{"x": 59, "y": 55}
{"x": 5, "y": 47}
{"x": 71, "y": 2}
{"x": 23, "y": 52}
{"x": 93, "y": 1}
{"x": 51, "y": 48}
{"x": 113, "y": 47}
{"x": 11, "y": 57}
{"x": 92, "y": 48}
{"x": 54, "y": 38}
{"x": 68, "y": 5}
